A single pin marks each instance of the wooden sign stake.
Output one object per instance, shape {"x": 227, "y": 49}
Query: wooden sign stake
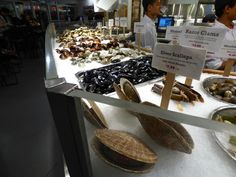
{"x": 167, "y": 90}
{"x": 228, "y": 67}
{"x": 188, "y": 81}
{"x": 139, "y": 42}
{"x": 117, "y": 30}
{"x": 110, "y": 31}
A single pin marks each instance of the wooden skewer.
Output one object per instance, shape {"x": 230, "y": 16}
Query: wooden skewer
{"x": 166, "y": 94}
{"x": 220, "y": 72}
{"x": 228, "y": 67}
{"x": 188, "y": 81}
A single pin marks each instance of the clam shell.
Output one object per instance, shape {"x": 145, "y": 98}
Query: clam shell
{"x": 123, "y": 150}
{"x": 94, "y": 115}
{"x": 119, "y": 92}
{"x": 167, "y": 133}
{"x": 129, "y": 90}
{"x": 122, "y": 96}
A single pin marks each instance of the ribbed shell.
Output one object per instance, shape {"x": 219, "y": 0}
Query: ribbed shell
{"x": 94, "y": 115}
{"x": 167, "y": 133}
{"x": 126, "y": 144}
{"x": 119, "y": 92}
{"x": 129, "y": 90}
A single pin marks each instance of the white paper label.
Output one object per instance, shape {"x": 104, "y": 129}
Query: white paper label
{"x": 203, "y": 37}
{"x": 99, "y": 24}
{"x": 117, "y": 21}
{"x": 123, "y": 22}
{"x": 180, "y": 60}
{"x": 227, "y": 50}
{"x": 174, "y": 33}
{"x": 139, "y": 27}
{"x": 111, "y": 22}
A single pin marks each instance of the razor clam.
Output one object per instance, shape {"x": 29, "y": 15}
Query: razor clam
{"x": 123, "y": 150}
{"x": 94, "y": 115}
{"x": 169, "y": 134}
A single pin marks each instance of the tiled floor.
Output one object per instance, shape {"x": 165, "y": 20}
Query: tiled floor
{"x": 29, "y": 145}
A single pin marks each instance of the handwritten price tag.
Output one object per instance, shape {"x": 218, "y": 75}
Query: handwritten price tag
{"x": 139, "y": 27}
{"x": 111, "y": 22}
{"x": 180, "y": 60}
{"x": 227, "y": 50}
{"x": 117, "y": 21}
{"x": 123, "y": 22}
{"x": 174, "y": 33}
{"x": 202, "y": 37}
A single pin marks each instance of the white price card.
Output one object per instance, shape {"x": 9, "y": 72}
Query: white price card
{"x": 180, "y": 60}
{"x": 202, "y": 37}
{"x": 227, "y": 50}
{"x": 123, "y": 22}
{"x": 117, "y": 21}
{"x": 99, "y": 24}
{"x": 111, "y": 22}
{"x": 139, "y": 27}
{"x": 174, "y": 33}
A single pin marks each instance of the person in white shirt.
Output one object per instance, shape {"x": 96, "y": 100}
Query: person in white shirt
{"x": 225, "y": 11}
{"x": 151, "y": 10}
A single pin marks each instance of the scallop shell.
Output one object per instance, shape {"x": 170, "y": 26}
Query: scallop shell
{"x": 119, "y": 92}
{"x": 129, "y": 90}
{"x": 94, "y": 115}
{"x": 122, "y": 96}
{"x": 123, "y": 150}
{"x": 167, "y": 133}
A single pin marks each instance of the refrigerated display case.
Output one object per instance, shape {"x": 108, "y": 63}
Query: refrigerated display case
{"x": 76, "y": 133}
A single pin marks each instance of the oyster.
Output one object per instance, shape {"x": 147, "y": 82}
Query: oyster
{"x": 167, "y": 133}
{"x": 123, "y": 150}
{"x": 94, "y": 115}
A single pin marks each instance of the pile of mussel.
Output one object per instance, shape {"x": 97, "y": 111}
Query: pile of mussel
{"x": 223, "y": 89}
{"x": 101, "y": 80}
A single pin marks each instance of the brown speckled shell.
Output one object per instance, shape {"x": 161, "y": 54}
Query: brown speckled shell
{"x": 94, "y": 115}
{"x": 126, "y": 144}
{"x": 167, "y": 133}
{"x": 129, "y": 90}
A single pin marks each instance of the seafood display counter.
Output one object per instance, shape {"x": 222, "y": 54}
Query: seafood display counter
{"x": 202, "y": 158}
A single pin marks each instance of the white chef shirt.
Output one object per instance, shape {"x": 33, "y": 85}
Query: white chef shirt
{"x": 149, "y": 38}
{"x": 215, "y": 63}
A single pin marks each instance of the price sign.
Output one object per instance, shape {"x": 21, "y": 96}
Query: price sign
{"x": 227, "y": 50}
{"x": 99, "y": 24}
{"x": 117, "y": 21}
{"x": 202, "y": 37}
{"x": 111, "y": 22}
{"x": 180, "y": 60}
{"x": 174, "y": 33}
{"x": 139, "y": 27}
{"x": 123, "y": 22}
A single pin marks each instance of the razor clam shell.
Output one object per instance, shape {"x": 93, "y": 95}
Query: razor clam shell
{"x": 167, "y": 133}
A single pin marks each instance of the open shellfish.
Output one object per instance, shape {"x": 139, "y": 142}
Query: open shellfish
{"x": 123, "y": 150}
{"x": 167, "y": 133}
{"x": 129, "y": 90}
{"x": 94, "y": 115}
